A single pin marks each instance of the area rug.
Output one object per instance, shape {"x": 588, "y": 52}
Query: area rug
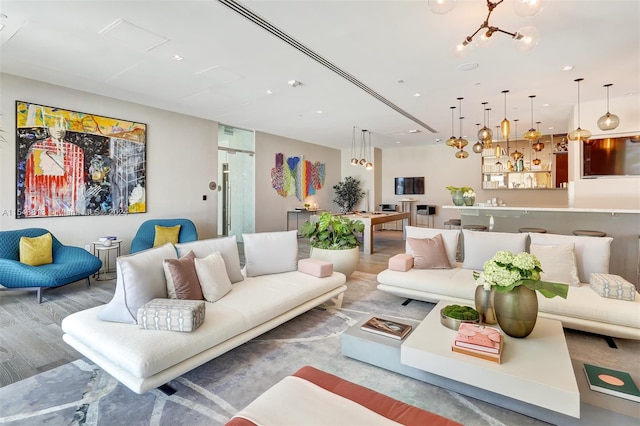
{"x": 80, "y": 393}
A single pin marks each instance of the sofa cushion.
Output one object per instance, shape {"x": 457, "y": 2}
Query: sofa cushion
{"x": 213, "y": 277}
{"x": 316, "y": 267}
{"x": 270, "y": 252}
{"x": 182, "y": 280}
{"x": 171, "y": 315}
{"x": 36, "y": 251}
{"x": 429, "y": 253}
{"x": 140, "y": 278}
{"x": 592, "y": 253}
{"x": 481, "y": 246}
{"x": 612, "y": 286}
{"x": 401, "y": 262}
{"x": 558, "y": 263}
{"x": 166, "y": 234}
{"x": 450, "y": 237}
{"x": 228, "y": 248}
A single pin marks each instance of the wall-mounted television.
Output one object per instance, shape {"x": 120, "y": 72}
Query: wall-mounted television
{"x": 409, "y": 185}
{"x": 611, "y": 157}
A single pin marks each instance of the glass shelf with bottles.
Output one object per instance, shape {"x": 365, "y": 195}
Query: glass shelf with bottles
{"x": 502, "y": 172}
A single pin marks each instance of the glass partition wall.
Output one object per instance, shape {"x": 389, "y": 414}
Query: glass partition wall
{"x": 236, "y": 171}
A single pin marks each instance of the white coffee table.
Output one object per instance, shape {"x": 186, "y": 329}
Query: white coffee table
{"x": 536, "y": 371}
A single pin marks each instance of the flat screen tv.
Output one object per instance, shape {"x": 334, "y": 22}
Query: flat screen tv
{"x": 611, "y": 157}
{"x": 409, "y": 185}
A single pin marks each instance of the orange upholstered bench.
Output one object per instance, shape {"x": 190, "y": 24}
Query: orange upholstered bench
{"x": 328, "y": 399}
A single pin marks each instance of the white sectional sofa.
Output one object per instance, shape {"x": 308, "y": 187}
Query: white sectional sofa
{"x": 584, "y": 309}
{"x": 272, "y": 293}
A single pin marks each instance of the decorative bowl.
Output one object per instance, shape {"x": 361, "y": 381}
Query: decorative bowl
{"x": 454, "y": 323}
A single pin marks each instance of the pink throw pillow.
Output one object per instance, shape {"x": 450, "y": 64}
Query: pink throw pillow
{"x": 429, "y": 253}
{"x": 182, "y": 280}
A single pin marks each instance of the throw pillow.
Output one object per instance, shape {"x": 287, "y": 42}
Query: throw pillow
{"x": 166, "y": 234}
{"x": 213, "y": 277}
{"x": 481, "y": 246}
{"x": 228, "y": 248}
{"x": 140, "y": 278}
{"x": 450, "y": 237}
{"x": 558, "y": 263}
{"x": 36, "y": 251}
{"x": 182, "y": 280}
{"x": 429, "y": 253}
{"x": 270, "y": 252}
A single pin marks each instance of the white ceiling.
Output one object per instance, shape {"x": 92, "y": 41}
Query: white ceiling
{"x": 123, "y": 49}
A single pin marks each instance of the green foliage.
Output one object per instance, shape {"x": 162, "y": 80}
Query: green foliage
{"x": 348, "y": 194}
{"x": 454, "y": 189}
{"x": 332, "y": 232}
{"x": 461, "y": 312}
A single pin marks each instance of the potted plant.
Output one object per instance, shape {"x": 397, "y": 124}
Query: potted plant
{"x": 348, "y": 194}
{"x": 457, "y": 194}
{"x": 452, "y": 316}
{"x": 334, "y": 239}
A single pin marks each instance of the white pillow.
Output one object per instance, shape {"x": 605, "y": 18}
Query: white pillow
{"x": 481, "y": 246}
{"x": 449, "y": 236}
{"x": 140, "y": 279}
{"x": 228, "y": 248}
{"x": 270, "y": 252}
{"x": 592, "y": 253}
{"x": 212, "y": 274}
{"x": 558, "y": 263}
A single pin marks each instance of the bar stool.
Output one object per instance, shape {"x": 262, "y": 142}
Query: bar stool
{"x": 480, "y": 228}
{"x": 453, "y": 224}
{"x": 534, "y": 230}
{"x": 586, "y": 233}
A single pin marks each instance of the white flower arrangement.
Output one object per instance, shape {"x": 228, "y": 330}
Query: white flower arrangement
{"x": 469, "y": 194}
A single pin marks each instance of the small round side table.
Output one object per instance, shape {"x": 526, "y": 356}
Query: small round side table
{"x": 104, "y": 253}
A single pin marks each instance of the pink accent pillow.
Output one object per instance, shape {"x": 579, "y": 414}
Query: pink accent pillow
{"x": 401, "y": 262}
{"x": 317, "y": 268}
{"x": 182, "y": 280}
{"x": 429, "y": 253}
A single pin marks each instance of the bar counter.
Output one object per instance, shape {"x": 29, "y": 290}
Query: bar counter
{"x": 623, "y": 225}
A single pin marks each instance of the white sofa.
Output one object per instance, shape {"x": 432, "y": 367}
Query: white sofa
{"x": 583, "y": 309}
{"x": 144, "y": 359}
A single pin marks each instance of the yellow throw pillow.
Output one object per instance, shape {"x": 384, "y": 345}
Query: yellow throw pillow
{"x": 166, "y": 234}
{"x": 37, "y": 250}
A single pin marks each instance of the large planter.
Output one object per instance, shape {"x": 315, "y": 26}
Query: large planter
{"x": 345, "y": 261}
{"x": 516, "y": 311}
{"x": 457, "y": 198}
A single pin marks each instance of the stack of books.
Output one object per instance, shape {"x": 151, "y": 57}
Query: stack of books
{"x": 386, "y": 327}
{"x": 479, "y": 341}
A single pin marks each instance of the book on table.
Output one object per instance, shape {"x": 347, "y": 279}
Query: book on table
{"x": 613, "y": 382}
{"x": 479, "y": 337}
{"x": 488, "y": 356}
{"x": 386, "y": 327}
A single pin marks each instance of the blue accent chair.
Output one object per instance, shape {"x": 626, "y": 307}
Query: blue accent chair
{"x": 147, "y": 232}
{"x": 70, "y": 264}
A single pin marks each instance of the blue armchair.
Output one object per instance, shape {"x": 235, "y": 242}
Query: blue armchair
{"x": 70, "y": 264}
{"x": 147, "y": 232}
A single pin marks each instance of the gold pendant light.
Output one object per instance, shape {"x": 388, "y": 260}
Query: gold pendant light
{"x": 461, "y": 142}
{"x": 363, "y": 143}
{"x": 369, "y": 164}
{"x": 452, "y": 139}
{"x": 354, "y": 160}
{"x": 538, "y": 146}
{"x": 532, "y": 134}
{"x": 579, "y": 134}
{"x": 505, "y": 125}
{"x": 516, "y": 155}
{"x": 608, "y": 121}
{"x": 478, "y": 146}
{"x": 485, "y": 134}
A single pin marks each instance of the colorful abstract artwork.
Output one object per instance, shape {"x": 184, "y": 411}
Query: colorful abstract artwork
{"x": 297, "y": 176}
{"x": 70, "y": 163}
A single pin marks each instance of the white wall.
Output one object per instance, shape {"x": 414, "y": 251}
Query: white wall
{"x": 181, "y": 160}
{"x": 271, "y": 208}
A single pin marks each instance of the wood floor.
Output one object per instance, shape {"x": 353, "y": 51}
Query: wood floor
{"x": 31, "y": 337}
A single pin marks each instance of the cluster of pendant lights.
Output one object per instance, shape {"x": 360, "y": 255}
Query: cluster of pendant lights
{"x": 364, "y": 151}
{"x": 485, "y": 135}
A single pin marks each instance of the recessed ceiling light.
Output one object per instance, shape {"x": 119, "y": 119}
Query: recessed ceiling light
{"x": 417, "y": 95}
{"x": 545, "y": 105}
{"x": 294, "y": 83}
{"x": 630, "y": 94}
{"x": 469, "y": 66}
{"x": 269, "y": 92}
{"x": 550, "y": 128}
{"x": 567, "y": 68}
{"x": 319, "y": 111}
{"x": 177, "y": 57}
{"x": 414, "y": 131}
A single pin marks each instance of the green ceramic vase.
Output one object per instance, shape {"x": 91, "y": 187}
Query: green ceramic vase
{"x": 457, "y": 198}
{"x": 516, "y": 311}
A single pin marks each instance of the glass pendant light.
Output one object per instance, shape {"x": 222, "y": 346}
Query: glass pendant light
{"x": 608, "y": 121}
{"x": 369, "y": 165}
{"x": 450, "y": 142}
{"x": 526, "y": 38}
{"x": 505, "y": 126}
{"x": 526, "y": 8}
{"x": 579, "y": 134}
{"x": 354, "y": 160}
{"x": 516, "y": 155}
{"x": 485, "y": 134}
{"x": 488, "y": 143}
{"x": 441, "y": 7}
{"x": 532, "y": 134}
{"x": 363, "y": 160}
{"x": 538, "y": 146}
{"x": 461, "y": 142}
{"x": 478, "y": 146}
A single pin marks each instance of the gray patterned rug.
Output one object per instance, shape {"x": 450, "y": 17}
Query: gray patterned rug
{"x": 79, "y": 393}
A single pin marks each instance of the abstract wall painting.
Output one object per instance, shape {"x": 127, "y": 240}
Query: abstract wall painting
{"x": 297, "y": 176}
{"x": 71, "y": 163}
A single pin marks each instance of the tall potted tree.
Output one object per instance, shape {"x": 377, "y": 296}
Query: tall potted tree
{"x": 348, "y": 194}
{"x": 334, "y": 239}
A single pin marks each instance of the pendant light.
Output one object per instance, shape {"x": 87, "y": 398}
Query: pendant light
{"x": 461, "y": 142}
{"x": 354, "y": 160}
{"x": 478, "y": 146}
{"x": 532, "y": 134}
{"x": 485, "y": 134}
{"x": 608, "y": 121}
{"x": 363, "y": 160}
{"x": 505, "y": 126}
{"x": 538, "y": 146}
{"x": 579, "y": 134}
{"x": 369, "y": 165}
{"x": 452, "y": 139}
{"x": 441, "y": 7}
{"x": 516, "y": 155}
{"x": 488, "y": 143}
